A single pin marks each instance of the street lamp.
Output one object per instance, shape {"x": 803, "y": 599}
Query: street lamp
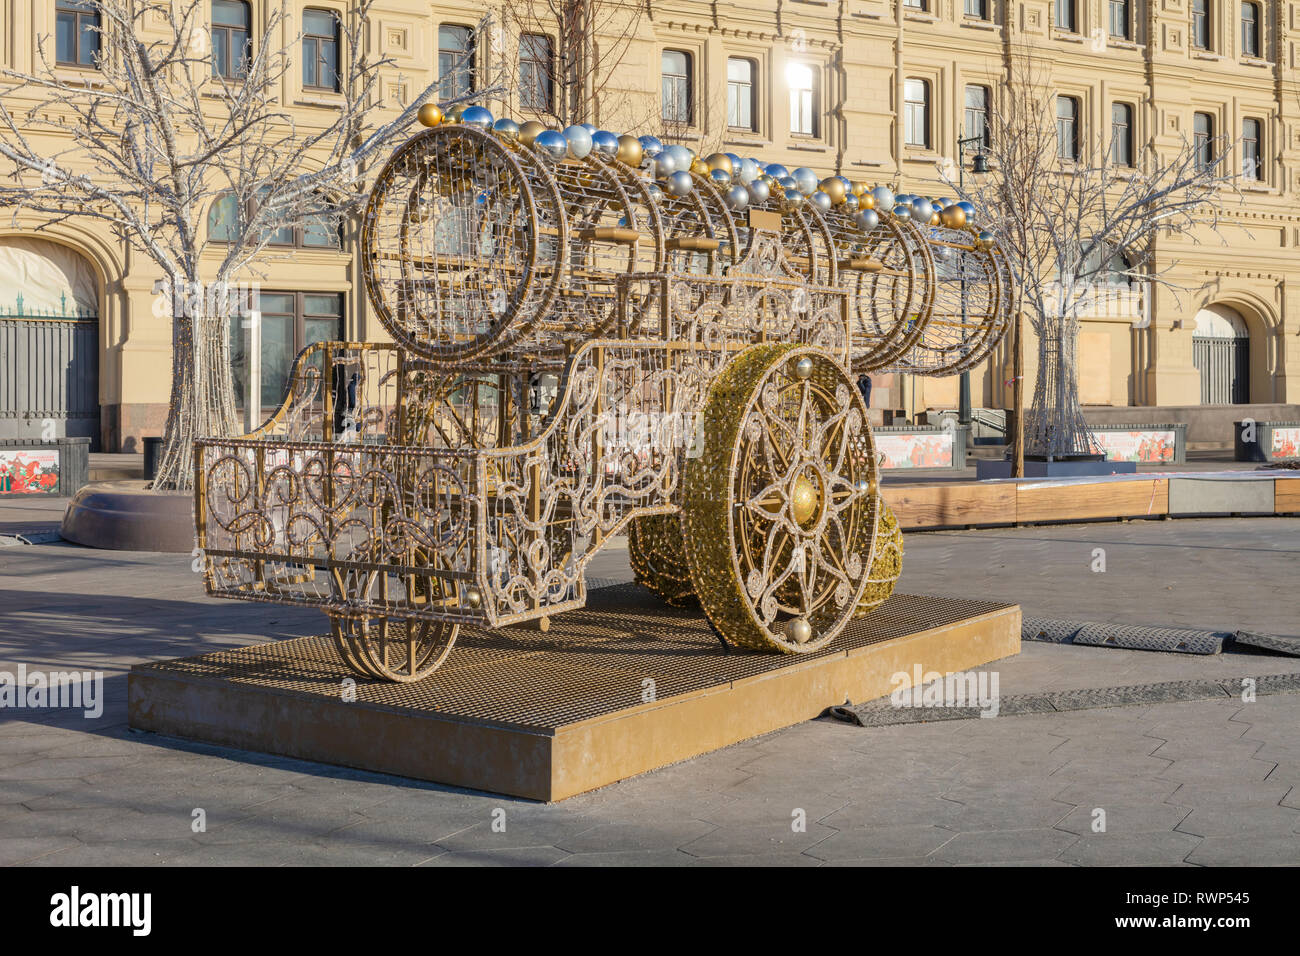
{"x": 979, "y": 167}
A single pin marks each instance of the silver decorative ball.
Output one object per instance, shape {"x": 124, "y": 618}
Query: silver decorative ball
{"x": 506, "y": 128}
{"x": 735, "y": 163}
{"x": 679, "y": 183}
{"x": 655, "y": 192}
{"x": 985, "y": 240}
{"x": 867, "y": 219}
{"x": 720, "y": 177}
{"x": 604, "y": 144}
{"x": 922, "y": 210}
{"x": 477, "y": 116}
{"x": 883, "y": 197}
{"x": 737, "y": 197}
{"x": 589, "y": 127}
{"x": 650, "y": 145}
{"x": 805, "y": 180}
{"x": 758, "y": 191}
{"x": 902, "y": 211}
{"x": 803, "y": 369}
{"x": 749, "y": 170}
{"x": 678, "y": 157}
{"x": 968, "y": 208}
{"x": 579, "y": 141}
{"x": 799, "y": 630}
{"x": 821, "y": 201}
{"x": 776, "y": 170}
{"x": 792, "y": 197}
{"x": 551, "y": 144}
{"x": 850, "y": 203}
{"x": 788, "y": 182}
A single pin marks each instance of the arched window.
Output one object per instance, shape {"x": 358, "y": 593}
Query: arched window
{"x": 232, "y": 44}
{"x": 320, "y": 50}
{"x": 677, "y": 84}
{"x": 1201, "y": 24}
{"x": 77, "y": 33}
{"x": 1064, "y": 16}
{"x": 1203, "y": 139}
{"x": 1250, "y": 45}
{"x": 1067, "y": 128}
{"x": 1121, "y": 134}
{"x": 455, "y": 61}
{"x": 916, "y": 113}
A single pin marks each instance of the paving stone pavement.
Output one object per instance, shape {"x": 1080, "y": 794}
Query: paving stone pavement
{"x": 1196, "y": 783}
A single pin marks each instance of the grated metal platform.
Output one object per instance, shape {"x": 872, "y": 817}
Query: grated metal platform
{"x": 546, "y": 715}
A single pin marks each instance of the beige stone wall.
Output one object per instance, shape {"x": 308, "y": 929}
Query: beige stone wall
{"x": 852, "y": 47}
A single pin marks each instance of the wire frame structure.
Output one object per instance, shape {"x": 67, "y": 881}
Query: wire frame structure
{"x": 579, "y": 350}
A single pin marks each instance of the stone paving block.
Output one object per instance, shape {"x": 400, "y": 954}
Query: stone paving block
{"x": 136, "y": 853}
{"x": 1247, "y": 851}
{"x": 1253, "y": 821}
{"x": 633, "y": 858}
{"x": 919, "y": 810}
{"x": 1130, "y": 849}
{"x": 992, "y": 846}
{"x": 1124, "y": 818}
{"x": 1009, "y": 814}
{"x": 660, "y": 835}
{"x": 914, "y": 841}
{"x": 525, "y": 856}
{"x": 23, "y": 849}
{"x": 770, "y": 840}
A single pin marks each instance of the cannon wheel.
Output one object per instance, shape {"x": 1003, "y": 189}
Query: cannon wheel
{"x": 392, "y": 649}
{"x": 780, "y": 508}
{"x": 887, "y": 563}
{"x": 658, "y": 558}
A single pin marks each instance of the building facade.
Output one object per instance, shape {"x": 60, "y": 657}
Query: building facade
{"x": 876, "y": 90}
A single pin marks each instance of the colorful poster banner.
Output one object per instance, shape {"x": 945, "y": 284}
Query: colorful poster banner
{"x": 25, "y": 472}
{"x": 1286, "y": 443}
{"x": 1152, "y": 446}
{"x": 915, "y": 450}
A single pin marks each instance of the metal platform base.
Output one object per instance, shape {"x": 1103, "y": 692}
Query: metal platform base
{"x": 619, "y": 688}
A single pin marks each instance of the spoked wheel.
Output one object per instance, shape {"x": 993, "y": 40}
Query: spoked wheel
{"x": 886, "y": 564}
{"x": 658, "y": 558}
{"x": 780, "y": 509}
{"x": 392, "y": 649}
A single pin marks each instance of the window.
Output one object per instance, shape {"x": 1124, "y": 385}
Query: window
{"x": 77, "y": 33}
{"x": 916, "y": 112}
{"x": 1063, "y": 16}
{"x": 1201, "y": 24}
{"x": 914, "y": 4}
{"x": 290, "y": 322}
{"x": 455, "y": 61}
{"x": 979, "y": 9}
{"x": 678, "y": 105}
{"x": 1067, "y": 128}
{"x": 320, "y": 50}
{"x": 232, "y": 43}
{"x": 741, "y": 89}
{"x": 1121, "y": 20}
{"x": 318, "y": 230}
{"x": 1251, "y": 155}
{"x": 1203, "y": 139}
{"x": 976, "y": 120}
{"x": 801, "y": 78}
{"x": 1250, "y": 45}
{"x": 1121, "y": 134}
{"x": 536, "y": 66}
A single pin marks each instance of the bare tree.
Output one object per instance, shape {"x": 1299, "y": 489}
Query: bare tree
{"x": 569, "y": 52}
{"x": 165, "y": 130}
{"x": 1078, "y": 217}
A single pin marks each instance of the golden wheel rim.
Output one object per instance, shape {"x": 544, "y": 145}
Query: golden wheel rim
{"x": 780, "y": 509}
{"x": 886, "y": 563}
{"x": 403, "y": 651}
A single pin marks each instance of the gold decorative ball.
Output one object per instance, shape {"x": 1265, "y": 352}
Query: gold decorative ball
{"x": 454, "y": 114}
{"x": 833, "y": 186}
{"x": 528, "y": 131}
{"x": 629, "y": 150}
{"x": 804, "y": 368}
{"x": 799, "y": 630}
{"x": 860, "y": 189}
{"x": 954, "y": 217}
{"x": 935, "y": 219}
{"x": 984, "y": 241}
{"x": 699, "y": 167}
{"x": 866, "y": 200}
{"x": 473, "y": 597}
{"x": 805, "y": 502}
{"x": 720, "y": 161}
{"x": 430, "y": 114}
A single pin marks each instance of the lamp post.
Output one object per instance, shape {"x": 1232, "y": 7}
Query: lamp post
{"x": 978, "y": 167}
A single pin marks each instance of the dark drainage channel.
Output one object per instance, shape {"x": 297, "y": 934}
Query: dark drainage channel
{"x": 1136, "y": 637}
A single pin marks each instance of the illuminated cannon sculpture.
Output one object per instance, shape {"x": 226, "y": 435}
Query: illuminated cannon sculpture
{"x": 595, "y": 334}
